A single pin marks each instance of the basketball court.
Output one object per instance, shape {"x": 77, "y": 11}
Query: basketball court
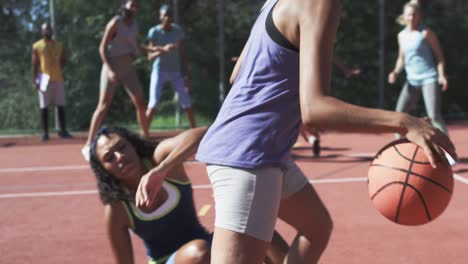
{"x": 51, "y": 212}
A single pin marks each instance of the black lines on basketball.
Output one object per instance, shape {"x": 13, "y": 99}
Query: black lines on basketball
{"x": 405, "y": 188}
{"x": 414, "y": 174}
{"x": 406, "y": 184}
{"x": 408, "y": 159}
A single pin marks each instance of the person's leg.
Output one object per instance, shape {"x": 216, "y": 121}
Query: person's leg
{"x": 304, "y": 210}
{"x": 59, "y": 99}
{"x": 105, "y": 99}
{"x": 190, "y": 117}
{"x": 408, "y": 98}
{"x": 63, "y": 133}
{"x": 133, "y": 87}
{"x": 432, "y": 99}
{"x": 311, "y": 136}
{"x": 44, "y": 102}
{"x": 246, "y": 205}
{"x": 194, "y": 252}
{"x": 230, "y": 247}
{"x": 277, "y": 250}
{"x": 155, "y": 88}
{"x": 45, "y": 123}
{"x": 184, "y": 97}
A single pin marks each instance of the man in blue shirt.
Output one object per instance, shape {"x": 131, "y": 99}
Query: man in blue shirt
{"x": 167, "y": 38}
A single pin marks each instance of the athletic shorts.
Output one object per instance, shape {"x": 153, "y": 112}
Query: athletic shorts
{"x": 247, "y": 200}
{"x": 158, "y": 79}
{"x": 54, "y": 94}
{"x": 126, "y": 74}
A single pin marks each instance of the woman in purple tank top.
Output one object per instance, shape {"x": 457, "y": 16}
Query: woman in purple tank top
{"x": 280, "y": 81}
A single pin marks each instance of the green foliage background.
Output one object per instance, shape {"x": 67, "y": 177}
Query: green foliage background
{"x": 80, "y": 27}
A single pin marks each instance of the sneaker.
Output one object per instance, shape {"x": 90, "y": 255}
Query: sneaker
{"x": 312, "y": 139}
{"x": 64, "y": 134}
{"x": 45, "y": 137}
{"x": 316, "y": 148}
{"x": 85, "y": 152}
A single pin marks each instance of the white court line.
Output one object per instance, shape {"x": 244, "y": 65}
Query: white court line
{"x": 44, "y": 168}
{"x": 339, "y": 180}
{"x": 201, "y": 186}
{"x": 460, "y": 178}
{"x": 47, "y": 194}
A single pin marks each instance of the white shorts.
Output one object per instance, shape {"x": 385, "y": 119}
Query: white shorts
{"x": 54, "y": 94}
{"x": 158, "y": 79}
{"x": 247, "y": 200}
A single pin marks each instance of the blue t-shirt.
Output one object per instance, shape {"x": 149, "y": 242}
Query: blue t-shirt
{"x": 166, "y": 62}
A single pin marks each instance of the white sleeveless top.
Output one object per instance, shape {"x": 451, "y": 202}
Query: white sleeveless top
{"x": 124, "y": 41}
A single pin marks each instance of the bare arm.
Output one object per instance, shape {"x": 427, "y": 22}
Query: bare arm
{"x": 185, "y": 62}
{"x": 169, "y": 153}
{"x": 62, "y": 59}
{"x": 398, "y": 65}
{"x": 235, "y": 71}
{"x": 318, "y": 22}
{"x": 117, "y": 224}
{"x": 109, "y": 33}
{"x": 437, "y": 50}
{"x": 155, "y": 53}
{"x": 35, "y": 67}
{"x": 344, "y": 68}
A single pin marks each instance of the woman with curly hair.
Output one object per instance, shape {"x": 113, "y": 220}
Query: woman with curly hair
{"x": 169, "y": 226}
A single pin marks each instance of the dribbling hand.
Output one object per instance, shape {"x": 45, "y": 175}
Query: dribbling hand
{"x": 430, "y": 139}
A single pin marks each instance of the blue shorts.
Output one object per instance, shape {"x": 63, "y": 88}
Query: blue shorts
{"x": 156, "y": 84}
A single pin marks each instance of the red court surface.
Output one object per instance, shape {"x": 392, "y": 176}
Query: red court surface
{"x": 50, "y": 211}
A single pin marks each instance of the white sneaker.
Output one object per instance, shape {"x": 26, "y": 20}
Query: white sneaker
{"x": 85, "y": 152}
{"x": 311, "y": 140}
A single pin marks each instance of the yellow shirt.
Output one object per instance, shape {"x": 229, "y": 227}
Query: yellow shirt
{"x": 49, "y": 56}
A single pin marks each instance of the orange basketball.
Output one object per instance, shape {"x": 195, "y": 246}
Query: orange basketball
{"x": 405, "y": 188}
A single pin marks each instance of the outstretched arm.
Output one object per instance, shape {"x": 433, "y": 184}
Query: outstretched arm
{"x": 168, "y": 153}
{"x": 398, "y": 65}
{"x": 437, "y": 50}
{"x": 35, "y": 68}
{"x": 116, "y": 221}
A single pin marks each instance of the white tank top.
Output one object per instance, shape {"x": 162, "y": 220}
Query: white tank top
{"x": 124, "y": 41}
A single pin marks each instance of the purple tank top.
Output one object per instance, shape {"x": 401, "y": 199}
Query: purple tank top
{"x": 259, "y": 121}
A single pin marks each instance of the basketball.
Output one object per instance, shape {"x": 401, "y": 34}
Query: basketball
{"x": 405, "y": 188}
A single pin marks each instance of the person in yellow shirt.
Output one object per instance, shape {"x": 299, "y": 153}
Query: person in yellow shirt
{"x": 47, "y": 64}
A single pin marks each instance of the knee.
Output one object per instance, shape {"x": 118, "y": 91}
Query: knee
{"x": 328, "y": 226}
{"x": 196, "y": 252}
{"x": 323, "y": 229}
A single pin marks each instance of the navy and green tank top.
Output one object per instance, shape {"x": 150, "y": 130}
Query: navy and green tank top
{"x": 170, "y": 226}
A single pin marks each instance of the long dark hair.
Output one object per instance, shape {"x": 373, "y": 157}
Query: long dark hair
{"x": 109, "y": 187}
